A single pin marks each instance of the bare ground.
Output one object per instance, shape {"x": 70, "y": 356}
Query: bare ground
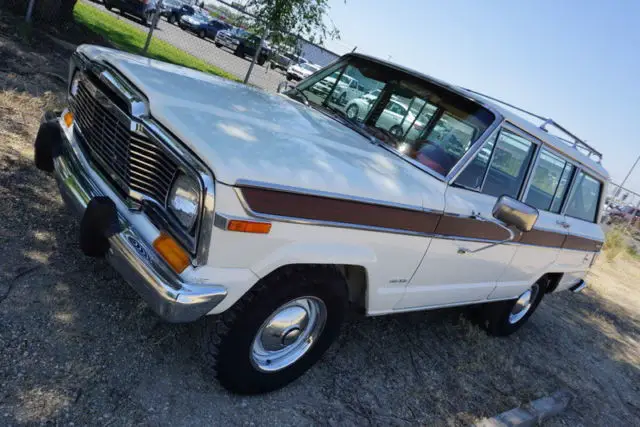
{"x": 78, "y": 346}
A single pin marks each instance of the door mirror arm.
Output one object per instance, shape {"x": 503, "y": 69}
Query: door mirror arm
{"x": 512, "y": 216}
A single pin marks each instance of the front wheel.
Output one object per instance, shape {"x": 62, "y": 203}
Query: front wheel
{"x": 218, "y": 44}
{"x": 352, "y": 111}
{"x": 276, "y": 331}
{"x": 201, "y": 34}
{"x": 171, "y": 19}
{"x": 239, "y": 52}
{"x": 506, "y": 317}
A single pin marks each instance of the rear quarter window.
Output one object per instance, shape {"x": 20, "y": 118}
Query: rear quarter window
{"x": 585, "y": 197}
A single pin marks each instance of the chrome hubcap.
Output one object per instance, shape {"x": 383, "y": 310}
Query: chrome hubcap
{"x": 523, "y": 305}
{"x": 288, "y": 334}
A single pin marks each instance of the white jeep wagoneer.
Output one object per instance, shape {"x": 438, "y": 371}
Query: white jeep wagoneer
{"x": 269, "y": 213}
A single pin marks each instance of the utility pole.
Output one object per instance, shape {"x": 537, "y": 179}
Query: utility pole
{"x": 27, "y": 18}
{"x": 154, "y": 22}
{"x": 257, "y": 54}
{"x": 627, "y": 177}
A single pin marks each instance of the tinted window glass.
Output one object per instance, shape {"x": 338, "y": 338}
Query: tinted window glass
{"x": 471, "y": 177}
{"x": 545, "y": 189}
{"x": 583, "y": 203}
{"x": 509, "y": 165}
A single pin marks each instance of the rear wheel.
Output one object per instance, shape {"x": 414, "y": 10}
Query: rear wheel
{"x": 276, "y": 331}
{"x": 218, "y": 44}
{"x": 506, "y": 317}
{"x": 201, "y": 34}
{"x": 172, "y": 19}
{"x": 396, "y": 130}
{"x": 261, "y": 61}
{"x": 239, "y": 52}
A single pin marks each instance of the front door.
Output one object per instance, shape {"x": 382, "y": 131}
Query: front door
{"x": 460, "y": 266}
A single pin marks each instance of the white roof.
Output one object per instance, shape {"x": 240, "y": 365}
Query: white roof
{"x": 563, "y": 146}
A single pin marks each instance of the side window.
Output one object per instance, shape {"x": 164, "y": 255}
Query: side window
{"x": 583, "y": 202}
{"x": 509, "y": 164}
{"x": 472, "y": 175}
{"x": 549, "y": 182}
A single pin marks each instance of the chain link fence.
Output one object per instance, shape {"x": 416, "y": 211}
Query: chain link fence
{"x": 622, "y": 207}
{"x": 219, "y": 35}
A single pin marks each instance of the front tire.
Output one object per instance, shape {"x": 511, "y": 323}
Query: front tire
{"x": 172, "y": 19}
{"x": 352, "y": 112}
{"x": 239, "y": 52}
{"x": 276, "y": 331}
{"x": 201, "y": 34}
{"x": 503, "y": 318}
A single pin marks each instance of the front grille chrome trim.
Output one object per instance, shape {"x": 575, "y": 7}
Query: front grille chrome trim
{"x": 153, "y": 156}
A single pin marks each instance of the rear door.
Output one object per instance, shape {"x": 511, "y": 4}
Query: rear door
{"x": 585, "y": 237}
{"x": 538, "y": 250}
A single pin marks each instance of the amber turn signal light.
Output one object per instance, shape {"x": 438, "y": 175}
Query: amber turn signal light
{"x": 249, "y": 226}
{"x": 68, "y": 118}
{"x": 172, "y": 252}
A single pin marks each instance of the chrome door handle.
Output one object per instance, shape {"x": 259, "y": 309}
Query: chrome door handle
{"x": 563, "y": 224}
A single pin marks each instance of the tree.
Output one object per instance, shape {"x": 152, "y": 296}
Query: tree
{"x": 304, "y": 18}
{"x": 56, "y": 12}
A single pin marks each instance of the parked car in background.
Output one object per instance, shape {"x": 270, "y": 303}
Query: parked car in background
{"x": 177, "y": 11}
{"x": 285, "y": 60}
{"x": 202, "y": 25}
{"x": 301, "y": 71}
{"x": 346, "y": 89}
{"x": 395, "y": 118}
{"x": 142, "y": 9}
{"x": 242, "y": 43}
{"x": 624, "y": 214}
{"x": 266, "y": 216}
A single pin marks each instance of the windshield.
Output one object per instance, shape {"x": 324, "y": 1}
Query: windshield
{"x": 421, "y": 119}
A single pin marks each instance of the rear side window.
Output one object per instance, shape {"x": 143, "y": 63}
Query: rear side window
{"x": 583, "y": 202}
{"x": 509, "y": 165}
{"x": 549, "y": 182}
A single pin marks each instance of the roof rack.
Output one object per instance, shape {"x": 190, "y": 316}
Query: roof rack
{"x": 575, "y": 142}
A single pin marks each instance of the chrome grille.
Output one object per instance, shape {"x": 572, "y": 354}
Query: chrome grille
{"x": 133, "y": 160}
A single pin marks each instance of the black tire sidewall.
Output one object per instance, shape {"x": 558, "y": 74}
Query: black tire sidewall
{"x": 497, "y": 315}
{"x": 357, "y": 110}
{"x": 235, "y": 369}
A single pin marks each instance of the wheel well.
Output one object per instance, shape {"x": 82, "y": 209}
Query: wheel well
{"x": 554, "y": 281}
{"x": 355, "y": 277}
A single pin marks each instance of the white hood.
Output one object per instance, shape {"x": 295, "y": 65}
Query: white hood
{"x": 244, "y": 133}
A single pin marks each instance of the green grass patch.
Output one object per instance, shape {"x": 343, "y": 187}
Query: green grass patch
{"x": 126, "y": 37}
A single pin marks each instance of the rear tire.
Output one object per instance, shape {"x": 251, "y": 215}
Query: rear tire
{"x": 239, "y": 52}
{"x": 236, "y": 343}
{"x": 201, "y": 34}
{"x": 261, "y": 61}
{"x": 352, "y": 111}
{"x": 172, "y": 19}
{"x": 218, "y": 44}
{"x": 503, "y": 318}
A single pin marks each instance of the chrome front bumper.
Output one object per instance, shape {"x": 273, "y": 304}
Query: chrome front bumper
{"x": 168, "y": 295}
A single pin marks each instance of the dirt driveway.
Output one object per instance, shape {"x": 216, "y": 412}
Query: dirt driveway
{"x": 78, "y": 346}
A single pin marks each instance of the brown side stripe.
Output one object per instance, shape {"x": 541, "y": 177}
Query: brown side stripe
{"x": 542, "y": 238}
{"x": 582, "y": 244}
{"x": 318, "y": 208}
{"x": 470, "y": 228}
{"x": 335, "y": 210}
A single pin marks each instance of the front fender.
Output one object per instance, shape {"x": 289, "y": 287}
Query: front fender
{"x": 315, "y": 253}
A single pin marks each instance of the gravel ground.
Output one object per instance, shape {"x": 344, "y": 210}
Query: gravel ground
{"x": 80, "y": 348}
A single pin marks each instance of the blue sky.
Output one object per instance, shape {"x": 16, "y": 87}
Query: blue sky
{"x": 577, "y": 62}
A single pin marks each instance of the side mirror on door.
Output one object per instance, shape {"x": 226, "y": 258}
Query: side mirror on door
{"x": 515, "y": 213}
